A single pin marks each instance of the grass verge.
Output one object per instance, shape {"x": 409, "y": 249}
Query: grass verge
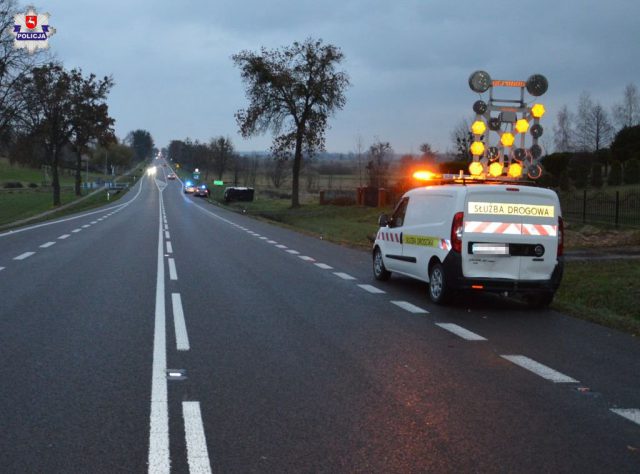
{"x": 604, "y": 292}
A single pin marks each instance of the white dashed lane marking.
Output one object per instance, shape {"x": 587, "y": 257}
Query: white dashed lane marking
{"x": 324, "y": 266}
{"x": 344, "y": 276}
{"x": 94, "y": 222}
{"x": 631, "y": 414}
{"x": 539, "y": 369}
{"x": 263, "y": 238}
{"x": 169, "y": 247}
{"x": 166, "y": 234}
{"x": 461, "y": 332}
{"x": 75, "y": 231}
{"x": 172, "y": 270}
{"x": 410, "y": 307}
{"x": 307, "y": 259}
{"x": 47, "y": 245}
{"x": 1, "y": 268}
{"x": 197, "y": 454}
{"x": 182, "y": 339}
{"x": 22, "y": 256}
{"x": 281, "y": 246}
{"x": 86, "y": 226}
{"x": 293, "y": 252}
{"x": 64, "y": 236}
{"x": 271, "y": 242}
{"x": 371, "y": 289}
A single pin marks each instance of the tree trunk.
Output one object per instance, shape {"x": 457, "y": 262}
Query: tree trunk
{"x": 55, "y": 181}
{"x": 78, "y": 172}
{"x": 297, "y": 161}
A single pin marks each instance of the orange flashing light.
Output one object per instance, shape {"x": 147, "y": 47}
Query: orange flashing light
{"x": 477, "y": 287}
{"x": 477, "y": 148}
{"x": 507, "y": 139}
{"x": 515, "y": 170}
{"x": 495, "y": 169}
{"x": 478, "y": 127}
{"x": 522, "y": 126}
{"x": 424, "y": 175}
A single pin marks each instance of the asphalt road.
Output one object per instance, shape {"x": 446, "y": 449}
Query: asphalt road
{"x": 164, "y": 334}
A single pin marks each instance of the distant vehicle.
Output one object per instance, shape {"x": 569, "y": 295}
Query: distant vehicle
{"x": 238, "y": 194}
{"x": 202, "y": 191}
{"x": 501, "y": 238}
{"x": 171, "y": 176}
{"x": 189, "y": 187}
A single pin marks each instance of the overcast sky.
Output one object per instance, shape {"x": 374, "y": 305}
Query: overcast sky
{"x": 409, "y": 61}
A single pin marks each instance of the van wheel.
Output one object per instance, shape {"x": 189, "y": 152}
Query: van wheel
{"x": 539, "y": 300}
{"x": 379, "y": 270}
{"x": 438, "y": 291}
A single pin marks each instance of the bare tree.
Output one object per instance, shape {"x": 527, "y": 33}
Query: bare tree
{"x": 562, "y": 131}
{"x": 627, "y": 112}
{"x": 222, "y": 153}
{"x": 379, "y": 155}
{"x": 462, "y": 138}
{"x": 593, "y": 128}
{"x": 292, "y": 92}
{"x": 278, "y": 170}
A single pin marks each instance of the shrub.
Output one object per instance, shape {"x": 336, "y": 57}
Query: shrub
{"x": 13, "y": 185}
{"x": 615, "y": 175}
{"x": 33, "y": 185}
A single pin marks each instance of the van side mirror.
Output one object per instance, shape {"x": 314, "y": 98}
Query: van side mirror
{"x": 383, "y": 220}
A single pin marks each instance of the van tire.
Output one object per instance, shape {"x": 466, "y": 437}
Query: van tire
{"x": 539, "y": 300}
{"x": 438, "y": 291}
{"x": 380, "y": 272}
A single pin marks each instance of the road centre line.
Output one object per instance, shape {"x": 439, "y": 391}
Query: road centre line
{"x": 539, "y": 369}
{"x": 410, "y": 307}
{"x": 75, "y": 231}
{"x": 306, "y": 258}
{"x": 461, "y": 332}
{"x": 22, "y": 256}
{"x": 344, "y": 276}
{"x": 47, "y": 245}
{"x": 86, "y": 226}
{"x": 94, "y": 222}
{"x": 372, "y": 289}
{"x": 169, "y": 247}
{"x": 166, "y": 234}
{"x": 197, "y": 454}
{"x": 158, "y": 460}
{"x": 64, "y": 236}
{"x": 273, "y": 242}
{"x": 172, "y": 269}
{"x": 324, "y": 266}
{"x": 280, "y": 246}
{"x": 263, "y": 238}
{"x": 631, "y": 414}
{"x": 182, "y": 338}
{"x": 293, "y": 252}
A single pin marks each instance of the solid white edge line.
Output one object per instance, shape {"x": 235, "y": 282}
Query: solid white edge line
{"x": 197, "y": 453}
{"x": 539, "y": 369}
{"x": 182, "y": 338}
{"x": 631, "y": 414}
{"x": 37, "y": 226}
{"x": 22, "y": 256}
{"x": 172, "y": 269}
{"x": 324, "y": 266}
{"x": 344, "y": 276}
{"x": 47, "y": 245}
{"x": 461, "y": 332}
{"x": 372, "y": 289}
{"x": 410, "y": 307}
{"x": 159, "y": 461}
{"x": 169, "y": 247}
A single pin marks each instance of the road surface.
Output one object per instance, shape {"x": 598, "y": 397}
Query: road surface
{"x": 164, "y": 334}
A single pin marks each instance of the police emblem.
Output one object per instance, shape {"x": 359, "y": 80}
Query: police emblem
{"x": 32, "y": 30}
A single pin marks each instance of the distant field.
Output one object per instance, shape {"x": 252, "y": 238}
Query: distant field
{"x": 33, "y": 175}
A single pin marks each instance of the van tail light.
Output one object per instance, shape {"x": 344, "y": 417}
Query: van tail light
{"x": 560, "y": 236}
{"x": 456, "y": 232}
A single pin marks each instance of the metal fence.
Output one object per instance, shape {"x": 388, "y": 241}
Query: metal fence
{"x": 612, "y": 207}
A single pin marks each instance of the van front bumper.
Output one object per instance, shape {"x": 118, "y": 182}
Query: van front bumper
{"x": 456, "y": 280}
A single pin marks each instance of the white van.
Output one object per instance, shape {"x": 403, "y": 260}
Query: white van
{"x": 504, "y": 238}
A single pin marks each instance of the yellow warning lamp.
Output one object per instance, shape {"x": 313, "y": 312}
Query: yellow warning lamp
{"x": 537, "y": 110}
{"x": 424, "y": 175}
{"x": 477, "y": 148}
{"x": 515, "y": 170}
{"x": 478, "y": 127}
{"x": 522, "y": 126}
{"x": 476, "y": 168}
{"x": 507, "y": 139}
{"x": 495, "y": 169}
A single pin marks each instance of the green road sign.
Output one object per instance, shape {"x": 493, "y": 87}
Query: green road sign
{"x": 218, "y": 182}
